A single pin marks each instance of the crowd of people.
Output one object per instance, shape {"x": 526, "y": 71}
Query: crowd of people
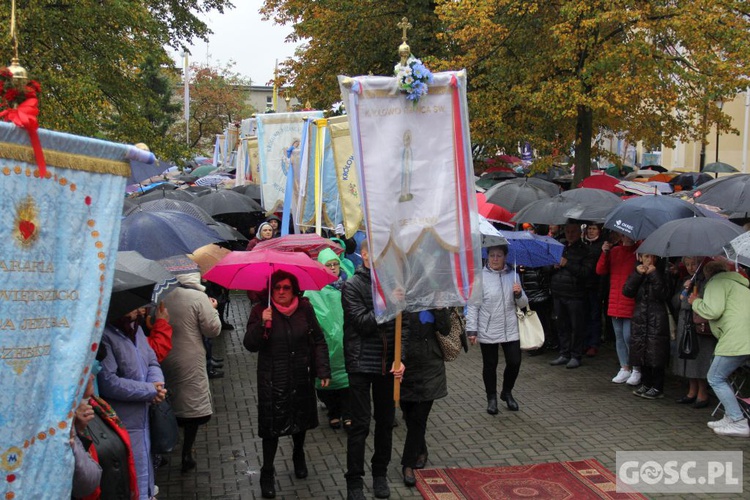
{"x": 325, "y": 347}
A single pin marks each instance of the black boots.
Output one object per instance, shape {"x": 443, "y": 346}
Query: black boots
{"x": 508, "y": 398}
{"x": 492, "y": 404}
{"x": 300, "y": 467}
{"x": 268, "y": 482}
{"x": 188, "y": 463}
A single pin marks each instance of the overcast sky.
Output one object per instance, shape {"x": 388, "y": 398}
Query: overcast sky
{"x": 240, "y": 35}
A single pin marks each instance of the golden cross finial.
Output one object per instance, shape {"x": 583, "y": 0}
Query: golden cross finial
{"x": 404, "y": 25}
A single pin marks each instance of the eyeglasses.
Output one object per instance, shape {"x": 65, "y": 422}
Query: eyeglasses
{"x": 332, "y": 265}
{"x": 286, "y": 288}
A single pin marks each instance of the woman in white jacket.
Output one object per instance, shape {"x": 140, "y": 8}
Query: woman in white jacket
{"x": 494, "y": 323}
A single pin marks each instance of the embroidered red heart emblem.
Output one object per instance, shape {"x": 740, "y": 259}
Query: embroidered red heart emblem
{"x": 27, "y": 229}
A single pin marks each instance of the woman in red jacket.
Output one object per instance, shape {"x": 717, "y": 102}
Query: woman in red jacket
{"x": 619, "y": 261}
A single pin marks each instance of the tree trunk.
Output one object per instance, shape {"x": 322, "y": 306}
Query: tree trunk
{"x": 584, "y": 135}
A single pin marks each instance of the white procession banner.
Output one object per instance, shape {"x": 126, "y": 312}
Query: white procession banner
{"x": 279, "y": 134}
{"x": 417, "y": 186}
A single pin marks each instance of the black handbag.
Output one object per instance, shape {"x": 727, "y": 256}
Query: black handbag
{"x": 688, "y": 346}
{"x": 163, "y": 428}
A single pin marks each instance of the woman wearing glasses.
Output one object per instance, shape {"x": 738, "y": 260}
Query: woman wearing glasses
{"x": 330, "y": 314}
{"x": 291, "y": 351}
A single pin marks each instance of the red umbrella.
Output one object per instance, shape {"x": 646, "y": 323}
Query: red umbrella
{"x": 252, "y": 270}
{"x": 492, "y": 212}
{"x": 604, "y": 182}
{"x": 311, "y": 244}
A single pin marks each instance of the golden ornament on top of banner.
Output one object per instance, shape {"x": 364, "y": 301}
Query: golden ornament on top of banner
{"x": 404, "y": 51}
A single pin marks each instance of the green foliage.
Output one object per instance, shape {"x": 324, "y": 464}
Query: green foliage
{"x": 102, "y": 65}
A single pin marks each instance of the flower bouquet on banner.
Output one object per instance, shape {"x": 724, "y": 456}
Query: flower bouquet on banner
{"x": 411, "y": 147}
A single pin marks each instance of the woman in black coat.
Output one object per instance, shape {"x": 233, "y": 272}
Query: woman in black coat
{"x": 292, "y": 352}
{"x": 423, "y": 383}
{"x": 649, "y": 330}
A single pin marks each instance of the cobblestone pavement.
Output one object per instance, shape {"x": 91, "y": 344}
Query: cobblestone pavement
{"x": 564, "y": 415}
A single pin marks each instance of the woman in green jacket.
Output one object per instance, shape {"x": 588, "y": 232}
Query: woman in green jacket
{"x": 330, "y": 314}
{"x": 725, "y": 306}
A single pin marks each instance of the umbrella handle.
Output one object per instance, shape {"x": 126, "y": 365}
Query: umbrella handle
{"x": 267, "y": 324}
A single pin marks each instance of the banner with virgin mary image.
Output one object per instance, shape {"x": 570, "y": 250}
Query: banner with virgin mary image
{"x": 417, "y": 188}
{"x": 58, "y": 245}
{"x": 279, "y": 139}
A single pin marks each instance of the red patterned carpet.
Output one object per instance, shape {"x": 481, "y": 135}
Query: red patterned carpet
{"x": 558, "y": 480}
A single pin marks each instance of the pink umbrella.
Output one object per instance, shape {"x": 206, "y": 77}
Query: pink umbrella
{"x": 311, "y": 244}
{"x": 252, "y": 270}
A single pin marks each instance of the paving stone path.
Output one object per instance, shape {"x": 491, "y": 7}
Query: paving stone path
{"x": 565, "y": 415}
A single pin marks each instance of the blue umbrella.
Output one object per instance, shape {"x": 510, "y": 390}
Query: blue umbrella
{"x": 140, "y": 171}
{"x": 157, "y": 235}
{"x": 638, "y": 217}
{"x": 531, "y": 250}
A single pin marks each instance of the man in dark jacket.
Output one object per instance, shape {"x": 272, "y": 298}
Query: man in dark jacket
{"x": 368, "y": 353}
{"x": 569, "y": 293}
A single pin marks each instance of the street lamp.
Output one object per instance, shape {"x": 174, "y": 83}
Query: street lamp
{"x": 719, "y": 104}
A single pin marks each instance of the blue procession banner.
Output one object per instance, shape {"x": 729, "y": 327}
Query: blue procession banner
{"x": 59, "y": 237}
{"x": 318, "y": 196}
{"x": 417, "y": 189}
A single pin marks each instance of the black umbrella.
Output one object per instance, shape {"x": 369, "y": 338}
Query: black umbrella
{"x": 513, "y": 196}
{"x": 689, "y": 180}
{"x": 590, "y": 204}
{"x": 129, "y": 292}
{"x": 185, "y": 207}
{"x": 199, "y": 190}
{"x": 135, "y": 263}
{"x": 227, "y": 201}
{"x": 233, "y": 239}
{"x": 692, "y": 236}
{"x": 638, "y": 217}
{"x": 658, "y": 168}
{"x": 730, "y": 193}
{"x": 127, "y": 205}
{"x": 251, "y": 190}
{"x": 176, "y": 194}
{"x": 719, "y": 167}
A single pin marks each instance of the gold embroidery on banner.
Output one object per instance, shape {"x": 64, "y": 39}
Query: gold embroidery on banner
{"x": 66, "y": 160}
{"x": 26, "y": 223}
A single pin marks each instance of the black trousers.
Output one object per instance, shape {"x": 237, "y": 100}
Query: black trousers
{"x": 572, "y": 325}
{"x": 190, "y": 431}
{"x": 336, "y": 401}
{"x": 653, "y": 376}
{"x": 415, "y": 416}
{"x": 361, "y": 385}
{"x": 270, "y": 445}
{"x": 490, "y": 355}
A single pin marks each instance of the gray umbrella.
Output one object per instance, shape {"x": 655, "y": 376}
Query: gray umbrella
{"x": 185, "y": 207}
{"x": 547, "y": 211}
{"x": 730, "y": 193}
{"x": 693, "y": 236}
{"x": 590, "y": 204}
{"x": 513, "y": 196}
